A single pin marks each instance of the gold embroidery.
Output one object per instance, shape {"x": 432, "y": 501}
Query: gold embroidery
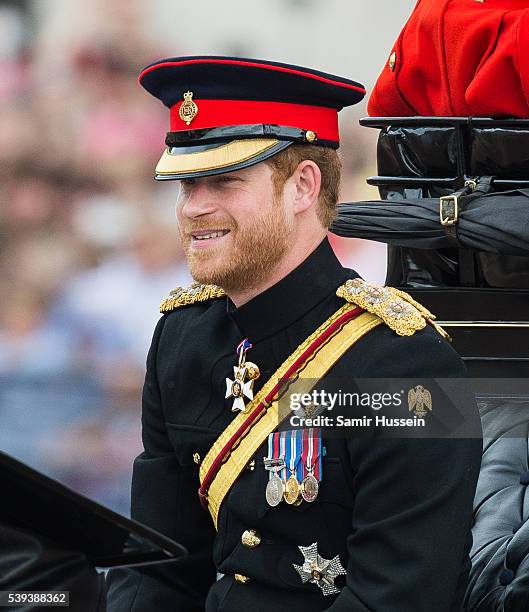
{"x": 233, "y": 152}
{"x": 395, "y": 307}
{"x": 184, "y": 296}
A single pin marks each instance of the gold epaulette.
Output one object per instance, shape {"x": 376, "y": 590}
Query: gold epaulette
{"x": 396, "y": 308}
{"x": 184, "y": 296}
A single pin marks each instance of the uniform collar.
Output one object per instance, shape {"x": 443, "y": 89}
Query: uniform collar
{"x": 292, "y": 297}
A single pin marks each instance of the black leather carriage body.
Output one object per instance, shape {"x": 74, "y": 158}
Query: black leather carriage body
{"x": 482, "y": 300}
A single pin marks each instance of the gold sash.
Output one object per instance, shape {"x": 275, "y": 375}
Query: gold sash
{"x": 314, "y": 368}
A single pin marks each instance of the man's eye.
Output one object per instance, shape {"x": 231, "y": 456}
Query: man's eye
{"x": 227, "y": 179}
{"x": 187, "y": 182}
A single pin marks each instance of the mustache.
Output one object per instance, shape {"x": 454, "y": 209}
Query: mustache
{"x": 207, "y": 224}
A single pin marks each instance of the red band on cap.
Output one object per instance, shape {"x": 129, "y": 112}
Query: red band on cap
{"x": 221, "y": 113}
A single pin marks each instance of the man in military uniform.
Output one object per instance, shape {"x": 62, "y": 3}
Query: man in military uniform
{"x": 350, "y": 523}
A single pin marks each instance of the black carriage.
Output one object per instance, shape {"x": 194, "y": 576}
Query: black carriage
{"x": 454, "y": 211}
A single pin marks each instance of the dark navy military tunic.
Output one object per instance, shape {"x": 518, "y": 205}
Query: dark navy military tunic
{"x": 396, "y": 511}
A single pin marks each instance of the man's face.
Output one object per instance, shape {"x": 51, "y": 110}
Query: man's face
{"x": 233, "y": 230}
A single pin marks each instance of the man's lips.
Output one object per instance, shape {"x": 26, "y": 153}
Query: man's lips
{"x": 205, "y": 237}
{"x": 210, "y": 233}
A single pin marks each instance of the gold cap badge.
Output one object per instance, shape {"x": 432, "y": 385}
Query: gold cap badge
{"x": 188, "y": 110}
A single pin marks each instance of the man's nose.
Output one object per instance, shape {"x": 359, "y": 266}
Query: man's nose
{"x": 198, "y": 201}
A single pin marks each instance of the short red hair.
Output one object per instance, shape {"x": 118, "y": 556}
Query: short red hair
{"x": 285, "y": 162}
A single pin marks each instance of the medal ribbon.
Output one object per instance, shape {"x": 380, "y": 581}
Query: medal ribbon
{"x": 275, "y": 452}
{"x": 278, "y": 452}
{"x": 283, "y": 453}
{"x": 301, "y": 446}
{"x": 317, "y": 444}
{"x": 311, "y": 457}
{"x": 293, "y": 447}
{"x": 310, "y": 454}
{"x": 276, "y": 448}
{"x": 287, "y": 450}
{"x": 293, "y": 452}
{"x": 270, "y": 453}
{"x": 305, "y": 436}
{"x": 242, "y": 347}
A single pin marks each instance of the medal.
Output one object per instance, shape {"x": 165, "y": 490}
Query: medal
{"x": 285, "y": 450}
{"x": 274, "y": 490}
{"x": 310, "y": 485}
{"x": 292, "y": 489}
{"x": 310, "y": 488}
{"x": 239, "y": 387}
{"x": 291, "y": 493}
{"x": 274, "y": 463}
{"x": 318, "y": 570}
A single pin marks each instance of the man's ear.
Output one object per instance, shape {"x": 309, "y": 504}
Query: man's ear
{"x": 306, "y": 185}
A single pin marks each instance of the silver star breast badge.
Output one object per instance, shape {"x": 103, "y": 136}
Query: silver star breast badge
{"x": 318, "y": 570}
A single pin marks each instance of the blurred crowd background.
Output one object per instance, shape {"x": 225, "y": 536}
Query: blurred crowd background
{"x": 88, "y": 241}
